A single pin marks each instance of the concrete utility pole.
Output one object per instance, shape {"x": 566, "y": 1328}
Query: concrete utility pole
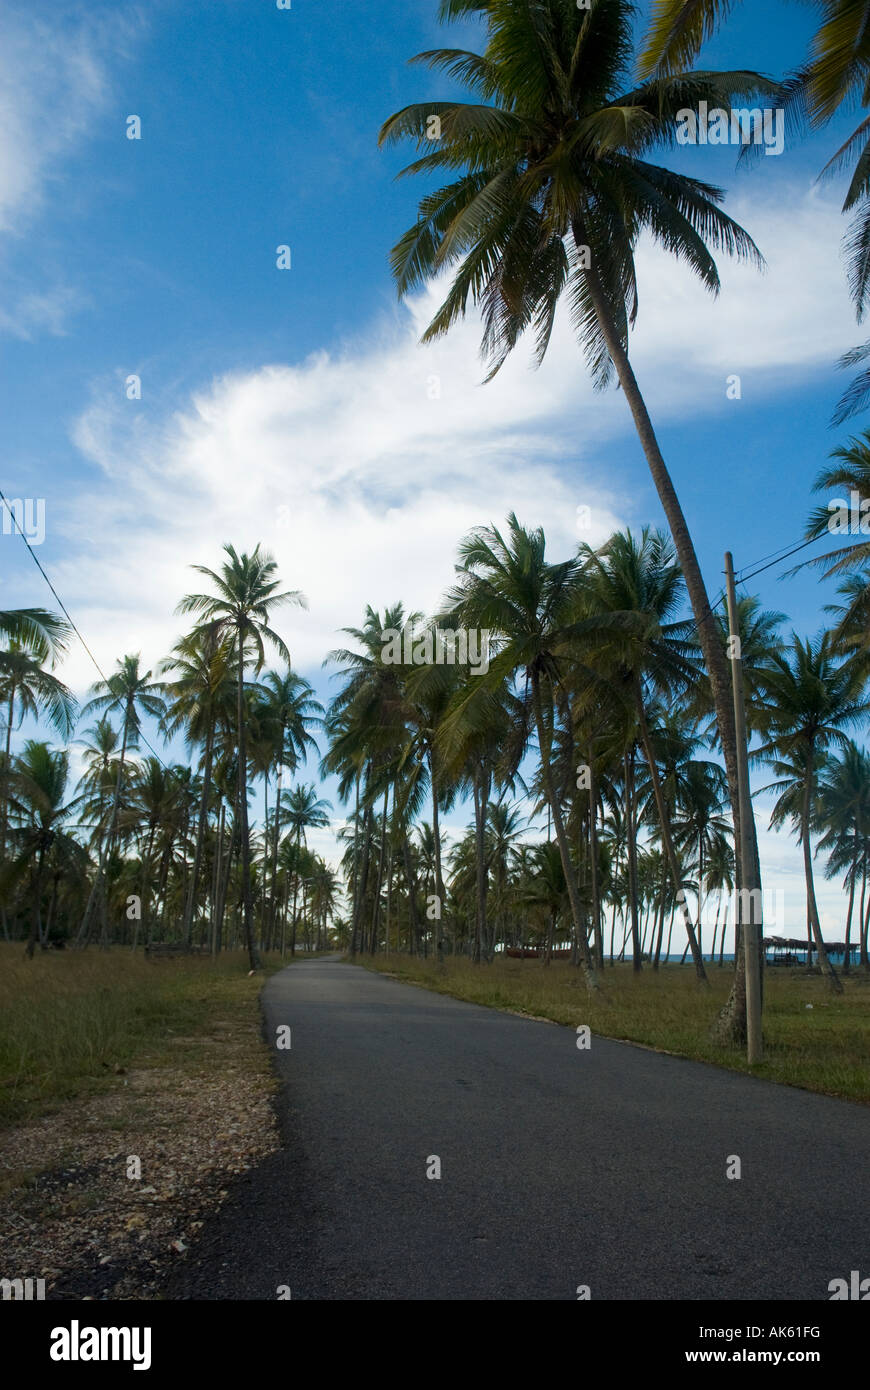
{"x": 749, "y": 886}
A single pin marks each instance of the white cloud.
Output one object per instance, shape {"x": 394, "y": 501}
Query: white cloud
{"x": 55, "y": 83}
{"x": 362, "y": 468}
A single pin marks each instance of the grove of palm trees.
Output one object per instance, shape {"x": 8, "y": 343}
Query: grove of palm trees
{"x": 302, "y": 707}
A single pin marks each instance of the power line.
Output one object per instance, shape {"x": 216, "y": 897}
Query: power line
{"x": 66, "y": 614}
{"x": 742, "y": 578}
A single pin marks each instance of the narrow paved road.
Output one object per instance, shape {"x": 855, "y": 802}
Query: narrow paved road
{"x": 559, "y": 1167}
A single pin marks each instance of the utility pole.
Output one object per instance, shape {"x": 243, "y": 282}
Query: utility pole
{"x": 749, "y": 886}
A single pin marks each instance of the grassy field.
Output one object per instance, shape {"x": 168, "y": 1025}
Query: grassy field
{"x": 69, "y": 1020}
{"x": 825, "y": 1047}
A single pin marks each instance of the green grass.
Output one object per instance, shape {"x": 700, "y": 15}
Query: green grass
{"x": 68, "y": 1019}
{"x": 824, "y": 1048}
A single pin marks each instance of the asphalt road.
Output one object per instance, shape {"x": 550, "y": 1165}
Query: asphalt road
{"x": 559, "y": 1167}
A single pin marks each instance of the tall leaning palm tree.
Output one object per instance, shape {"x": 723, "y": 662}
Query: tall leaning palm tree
{"x": 245, "y": 595}
{"x": 553, "y": 189}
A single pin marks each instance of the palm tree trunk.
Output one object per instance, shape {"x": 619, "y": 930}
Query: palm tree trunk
{"x": 200, "y": 838}
{"x": 273, "y": 905}
{"x": 4, "y": 812}
{"x": 247, "y": 903}
{"x": 561, "y": 836}
{"x": 412, "y": 891}
{"x": 852, "y": 880}
{"x": 295, "y": 890}
{"x": 593, "y": 857}
{"x": 812, "y": 908}
{"x": 436, "y": 832}
{"x": 376, "y": 912}
{"x": 105, "y": 847}
{"x": 863, "y": 959}
{"x": 36, "y": 920}
{"x": 631, "y": 850}
{"x": 708, "y": 632}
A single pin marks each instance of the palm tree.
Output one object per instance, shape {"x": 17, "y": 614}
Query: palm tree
{"x": 811, "y": 699}
{"x": 654, "y": 657}
{"x": 304, "y": 811}
{"x": 288, "y": 709}
{"x": 553, "y": 193}
{"x": 834, "y": 75}
{"x": 368, "y": 721}
{"x": 154, "y": 796}
{"x": 546, "y": 888}
{"x": 41, "y": 776}
{"x": 244, "y": 598}
{"x": 131, "y": 693}
{"x": 43, "y": 633}
{"x": 24, "y": 679}
{"x": 200, "y": 692}
{"x": 844, "y": 818}
{"x": 507, "y": 588}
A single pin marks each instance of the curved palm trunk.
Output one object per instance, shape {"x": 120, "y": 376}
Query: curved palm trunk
{"x": 812, "y": 907}
{"x": 708, "y": 634}
{"x": 562, "y": 837}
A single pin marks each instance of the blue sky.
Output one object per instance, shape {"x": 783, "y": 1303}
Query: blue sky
{"x": 294, "y": 407}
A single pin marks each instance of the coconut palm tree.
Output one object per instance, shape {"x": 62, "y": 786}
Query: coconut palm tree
{"x": 834, "y": 75}
{"x": 129, "y": 692}
{"x": 245, "y": 595}
{"x": 654, "y": 657}
{"x": 506, "y": 587}
{"x": 200, "y": 691}
{"x": 811, "y": 698}
{"x": 40, "y": 776}
{"x": 546, "y": 888}
{"x": 23, "y": 679}
{"x": 843, "y": 817}
{"x": 288, "y": 708}
{"x": 554, "y": 188}
{"x": 303, "y": 811}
